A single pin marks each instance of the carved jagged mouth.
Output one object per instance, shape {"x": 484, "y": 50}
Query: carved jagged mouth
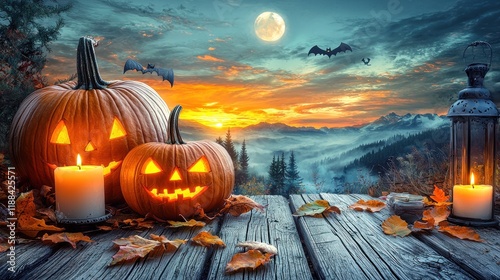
{"x": 106, "y": 169}
{"x": 178, "y": 194}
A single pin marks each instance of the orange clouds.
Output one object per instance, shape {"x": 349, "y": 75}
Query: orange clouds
{"x": 209, "y": 58}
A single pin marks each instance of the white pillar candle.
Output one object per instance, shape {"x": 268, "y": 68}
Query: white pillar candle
{"x": 473, "y": 201}
{"x": 80, "y": 191}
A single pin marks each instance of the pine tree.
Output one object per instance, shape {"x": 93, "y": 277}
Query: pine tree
{"x": 273, "y": 176}
{"x": 26, "y": 29}
{"x": 242, "y": 175}
{"x": 293, "y": 180}
{"x": 281, "y": 167}
{"x": 219, "y": 141}
{"x": 229, "y": 145}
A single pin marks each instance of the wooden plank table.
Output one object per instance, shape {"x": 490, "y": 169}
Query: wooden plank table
{"x": 346, "y": 246}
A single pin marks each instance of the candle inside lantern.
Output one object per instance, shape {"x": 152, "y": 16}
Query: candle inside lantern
{"x": 473, "y": 201}
{"x": 80, "y": 191}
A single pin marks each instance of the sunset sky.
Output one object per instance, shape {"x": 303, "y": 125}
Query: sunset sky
{"x": 226, "y": 76}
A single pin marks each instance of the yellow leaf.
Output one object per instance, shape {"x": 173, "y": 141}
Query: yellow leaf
{"x": 395, "y": 226}
{"x": 70, "y": 237}
{"x": 190, "y": 223}
{"x": 316, "y": 208}
{"x": 206, "y": 239}
{"x": 250, "y": 259}
{"x": 371, "y": 205}
{"x": 461, "y": 232}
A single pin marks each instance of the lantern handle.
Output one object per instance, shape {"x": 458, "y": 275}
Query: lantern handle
{"x": 478, "y": 43}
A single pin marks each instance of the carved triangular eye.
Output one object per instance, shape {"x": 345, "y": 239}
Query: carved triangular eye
{"x": 117, "y": 130}
{"x": 176, "y": 175}
{"x": 151, "y": 167}
{"x": 60, "y": 134}
{"x": 201, "y": 165}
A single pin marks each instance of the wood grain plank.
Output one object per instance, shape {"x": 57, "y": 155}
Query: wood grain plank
{"x": 407, "y": 257}
{"x": 275, "y": 226}
{"x": 332, "y": 250}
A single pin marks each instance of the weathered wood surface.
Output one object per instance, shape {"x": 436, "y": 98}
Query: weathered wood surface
{"x": 350, "y": 245}
{"x": 38, "y": 260}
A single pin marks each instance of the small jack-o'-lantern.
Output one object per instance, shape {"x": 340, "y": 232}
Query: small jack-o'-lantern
{"x": 170, "y": 179}
{"x": 101, "y": 121}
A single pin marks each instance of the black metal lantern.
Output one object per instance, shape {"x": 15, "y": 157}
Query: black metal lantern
{"x": 474, "y": 119}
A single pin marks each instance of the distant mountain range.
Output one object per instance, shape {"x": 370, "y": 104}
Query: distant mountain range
{"x": 312, "y": 145}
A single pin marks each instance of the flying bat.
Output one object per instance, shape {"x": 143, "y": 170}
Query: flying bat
{"x": 367, "y": 61}
{"x": 341, "y": 48}
{"x": 167, "y": 74}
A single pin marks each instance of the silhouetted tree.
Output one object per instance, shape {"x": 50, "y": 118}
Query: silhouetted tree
{"x": 26, "y": 29}
{"x": 293, "y": 181}
{"x": 242, "y": 175}
{"x": 273, "y": 176}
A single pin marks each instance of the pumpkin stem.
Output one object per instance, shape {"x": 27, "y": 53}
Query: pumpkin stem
{"x": 174, "y": 134}
{"x": 86, "y": 66}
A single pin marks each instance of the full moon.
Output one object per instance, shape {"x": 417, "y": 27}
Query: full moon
{"x": 269, "y": 26}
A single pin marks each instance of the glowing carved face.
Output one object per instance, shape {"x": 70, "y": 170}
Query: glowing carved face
{"x": 175, "y": 188}
{"x": 60, "y": 136}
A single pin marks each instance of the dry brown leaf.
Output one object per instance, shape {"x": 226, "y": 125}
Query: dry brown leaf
{"x": 316, "y": 209}
{"x": 437, "y": 213}
{"x": 49, "y": 212}
{"x": 105, "y": 228}
{"x": 133, "y": 247}
{"x": 206, "y": 239}
{"x": 190, "y": 223}
{"x": 70, "y": 237}
{"x": 460, "y": 232}
{"x": 25, "y": 204}
{"x": 395, "y": 226}
{"x": 424, "y": 225}
{"x": 139, "y": 223}
{"x": 254, "y": 245}
{"x": 240, "y": 204}
{"x": 371, "y": 205}
{"x": 168, "y": 245}
{"x": 250, "y": 259}
{"x": 32, "y": 226}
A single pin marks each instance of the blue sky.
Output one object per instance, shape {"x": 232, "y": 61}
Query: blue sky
{"x": 225, "y": 75}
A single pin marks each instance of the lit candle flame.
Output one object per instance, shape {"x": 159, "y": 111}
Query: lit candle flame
{"x": 472, "y": 179}
{"x": 79, "y": 161}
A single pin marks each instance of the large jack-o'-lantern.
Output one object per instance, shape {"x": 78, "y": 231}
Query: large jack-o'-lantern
{"x": 170, "y": 179}
{"x": 101, "y": 121}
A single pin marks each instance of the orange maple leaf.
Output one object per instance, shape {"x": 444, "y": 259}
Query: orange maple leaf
{"x": 460, "y": 232}
{"x": 395, "y": 226}
{"x": 316, "y": 209}
{"x": 240, "y": 204}
{"x": 439, "y": 197}
{"x": 206, "y": 239}
{"x": 250, "y": 259}
{"x": 70, "y": 237}
{"x": 437, "y": 213}
{"x": 371, "y": 205}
